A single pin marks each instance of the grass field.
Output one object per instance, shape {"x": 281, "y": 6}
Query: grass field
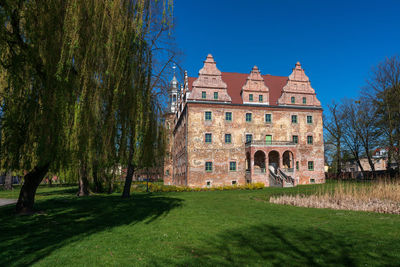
{"x": 218, "y": 228}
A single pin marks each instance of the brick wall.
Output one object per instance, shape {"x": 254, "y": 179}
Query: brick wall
{"x": 220, "y": 154}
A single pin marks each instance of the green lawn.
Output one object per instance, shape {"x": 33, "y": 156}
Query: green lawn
{"x": 228, "y": 228}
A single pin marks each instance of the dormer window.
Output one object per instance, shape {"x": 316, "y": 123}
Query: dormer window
{"x": 251, "y": 97}
{"x": 260, "y": 98}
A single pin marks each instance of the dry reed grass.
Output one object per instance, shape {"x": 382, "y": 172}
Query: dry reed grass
{"x": 382, "y": 196}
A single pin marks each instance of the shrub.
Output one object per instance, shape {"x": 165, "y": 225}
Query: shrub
{"x": 157, "y": 187}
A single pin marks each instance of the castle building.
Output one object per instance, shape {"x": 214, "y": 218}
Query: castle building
{"x": 235, "y": 128}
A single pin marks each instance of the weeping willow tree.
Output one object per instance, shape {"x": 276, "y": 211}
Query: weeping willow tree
{"x": 69, "y": 68}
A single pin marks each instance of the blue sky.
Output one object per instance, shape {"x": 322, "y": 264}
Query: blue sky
{"x": 337, "y": 42}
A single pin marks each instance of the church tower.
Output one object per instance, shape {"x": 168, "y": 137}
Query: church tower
{"x": 169, "y": 124}
{"x": 173, "y": 94}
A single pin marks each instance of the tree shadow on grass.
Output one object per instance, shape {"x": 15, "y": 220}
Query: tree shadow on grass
{"x": 266, "y": 245}
{"x": 26, "y": 239}
{"x": 58, "y": 191}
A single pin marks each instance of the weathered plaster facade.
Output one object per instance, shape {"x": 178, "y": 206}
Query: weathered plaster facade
{"x": 286, "y": 135}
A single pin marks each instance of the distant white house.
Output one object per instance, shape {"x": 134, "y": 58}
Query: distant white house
{"x": 379, "y": 158}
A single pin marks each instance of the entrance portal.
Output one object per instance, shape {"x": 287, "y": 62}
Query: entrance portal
{"x": 288, "y": 160}
{"x": 259, "y": 162}
{"x": 273, "y": 161}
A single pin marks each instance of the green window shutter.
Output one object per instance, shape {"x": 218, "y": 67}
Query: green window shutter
{"x": 228, "y": 138}
{"x": 268, "y": 118}
{"x": 309, "y": 140}
{"x": 311, "y": 165}
{"x": 232, "y": 166}
{"x": 208, "y": 138}
{"x": 248, "y": 117}
{"x": 208, "y": 166}
{"x": 208, "y": 115}
{"x": 228, "y": 116}
{"x": 268, "y": 139}
{"x": 249, "y": 138}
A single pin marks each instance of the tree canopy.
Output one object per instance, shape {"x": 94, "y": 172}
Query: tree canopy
{"x": 75, "y": 86}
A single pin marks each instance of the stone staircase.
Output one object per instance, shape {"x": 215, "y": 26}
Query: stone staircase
{"x": 280, "y": 179}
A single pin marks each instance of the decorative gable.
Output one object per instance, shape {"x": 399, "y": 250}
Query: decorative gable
{"x": 209, "y": 86}
{"x": 254, "y": 90}
{"x": 298, "y": 90}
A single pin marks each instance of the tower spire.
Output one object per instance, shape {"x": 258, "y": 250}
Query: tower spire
{"x": 173, "y": 92}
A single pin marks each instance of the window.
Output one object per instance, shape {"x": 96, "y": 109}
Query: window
{"x": 228, "y": 138}
{"x": 233, "y": 182}
{"x": 208, "y": 138}
{"x": 248, "y": 117}
{"x": 207, "y": 115}
{"x": 208, "y": 183}
{"x": 309, "y": 119}
{"x": 203, "y": 95}
{"x": 312, "y": 181}
{"x": 309, "y": 140}
{"x": 173, "y": 98}
{"x": 268, "y": 118}
{"x": 294, "y": 118}
{"x": 228, "y": 116}
{"x": 232, "y": 166}
{"x": 293, "y": 100}
{"x": 249, "y": 137}
{"x": 311, "y": 165}
{"x": 304, "y": 100}
{"x": 268, "y": 139}
{"x": 167, "y": 173}
{"x": 250, "y": 97}
{"x": 260, "y": 98}
{"x": 297, "y": 165}
{"x": 208, "y": 168}
{"x": 215, "y": 95}
{"x": 295, "y": 139}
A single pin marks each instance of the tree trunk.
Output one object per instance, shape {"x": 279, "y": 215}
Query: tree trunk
{"x": 128, "y": 181}
{"x": 372, "y": 165}
{"x": 32, "y": 180}
{"x": 98, "y": 187}
{"x": 83, "y": 182}
{"x": 129, "y": 174}
{"x": 338, "y": 161}
{"x": 8, "y": 181}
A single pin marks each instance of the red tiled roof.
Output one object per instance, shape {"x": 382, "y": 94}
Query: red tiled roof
{"x": 235, "y": 82}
